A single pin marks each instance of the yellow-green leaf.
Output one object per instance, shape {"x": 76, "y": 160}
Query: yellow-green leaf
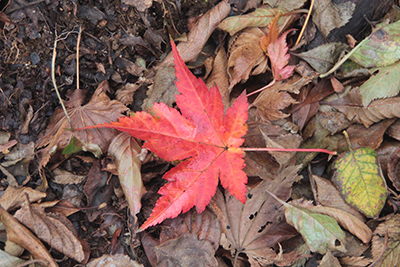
{"x": 320, "y": 232}
{"x": 360, "y": 181}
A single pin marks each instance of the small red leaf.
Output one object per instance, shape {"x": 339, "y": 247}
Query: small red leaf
{"x": 277, "y": 52}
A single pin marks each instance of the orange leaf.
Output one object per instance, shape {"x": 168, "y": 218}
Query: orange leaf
{"x": 202, "y": 135}
{"x": 273, "y": 33}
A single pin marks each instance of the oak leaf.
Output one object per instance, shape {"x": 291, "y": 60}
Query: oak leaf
{"x": 206, "y": 140}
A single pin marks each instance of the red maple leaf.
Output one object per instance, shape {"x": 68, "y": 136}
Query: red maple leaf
{"x": 206, "y": 140}
{"x": 277, "y": 53}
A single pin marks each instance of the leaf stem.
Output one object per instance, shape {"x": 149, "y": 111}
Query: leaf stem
{"x": 262, "y": 88}
{"x": 318, "y": 150}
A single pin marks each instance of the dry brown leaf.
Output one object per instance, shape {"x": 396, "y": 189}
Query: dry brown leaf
{"x": 117, "y": 260}
{"x": 18, "y": 234}
{"x": 63, "y": 207}
{"x": 351, "y": 106}
{"x": 125, "y": 151}
{"x": 59, "y": 234}
{"x": 329, "y": 196}
{"x": 393, "y": 169}
{"x": 329, "y": 260}
{"x": 256, "y": 226}
{"x": 186, "y": 250}
{"x": 125, "y": 94}
{"x": 245, "y": 56}
{"x": 100, "y": 109}
{"x": 385, "y": 243}
{"x": 348, "y": 221}
{"x": 66, "y": 177}
{"x": 272, "y": 100}
{"x": 14, "y": 197}
{"x": 354, "y": 261}
{"x": 199, "y": 35}
{"x": 219, "y": 76}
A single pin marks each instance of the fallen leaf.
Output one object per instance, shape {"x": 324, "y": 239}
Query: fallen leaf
{"x": 18, "y": 234}
{"x": 59, "y": 234}
{"x": 100, "y": 109}
{"x": 252, "y": 228}
{"x": 323, "y": 57}
{"x": 386, "y": 242}
{"x": 359, "y": 179}
{"x": 66, "y": 177}
{"x": 117, "y": 260}
{"x": 393, "y": 169}
{"x": 329, "y": 15}
{"x": 245, "y": 56}
{"x": 208, "y": 140}
{"x": 272, "y": 100}
{"x": 378, "y": 110}
{"x": 125, "y": 94}
{"x": 186, "y": 250}
{"x": 329, "y": 260}
{"x": 125, "y": 151}
{"x": 321, "y": 232}
{"x": 13, "y": 197}
{"x": 277, "y": 53}
{"x": 380, "y": 48}
{"x": 347, "y": 221}
{"x": 199, "y": 35}
{"x": 140, "y": 5}
{"x": 382, "y": 84}
{"x": 6, "y": 260}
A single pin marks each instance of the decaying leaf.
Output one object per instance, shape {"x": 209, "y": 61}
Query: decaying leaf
{"x": 271, "y": 101}
{"x": 380, "y": 48}
{"x": 378, "y": 110}
{"x": 328, "y": 15}
{"x": 382, "y": 84}
{"x": 199, "y": 35}
{"x": 18, "y": 234}
{"x": 246, "y": 56}
{"x": 126, "y": 151}
{"x": 66, "y": 177}
{"x": 14, "y": 197}
{"x": 386, "y": 242}
{"x": 321, "y": 232}
{"x": 100, "y": 109}
{"x": 329, "y": 260}
{"x": 7, "y": 260}
{"x": 117, "y": 260}
{"x": 359, "y": 179}
{"x": 55, "y": 230}
{"x": 253, "y": 228}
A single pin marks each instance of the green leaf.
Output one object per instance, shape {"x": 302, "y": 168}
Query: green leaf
{"x": 73, "y": 147}
{"x": 383, "y": 84}
{"x": 381, "y": 48}
{"x": 360, "y": 181}
{"x": 320, "y": 232}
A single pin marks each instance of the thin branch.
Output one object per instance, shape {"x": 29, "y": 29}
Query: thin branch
{"x": 262, "y": 88}
{"x": 305, "y": 22}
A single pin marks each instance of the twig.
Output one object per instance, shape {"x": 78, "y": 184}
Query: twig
{"x": 63, "y": 36}
{"x": 78, "y": 42}
{"x": 305, "y": 22}
{"x": 262, "y": 88}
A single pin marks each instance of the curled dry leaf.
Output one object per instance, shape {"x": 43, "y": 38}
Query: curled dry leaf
{"x": 199, "y": 34}
{"x": 14, "y": 197}
{"x": 246, "y": 56}
{"x": 18, "y": 234}
{"x": 100, "y": 109}
{"x": 252, "y": 228}
{"x": 66, "y": 177}
{"x": 385, "y": 243}
{"x": 59, "y": 234}
{"x": 125, "y": 94}
{"x": 125, "y": 151}
{"x": 272, "y": 100}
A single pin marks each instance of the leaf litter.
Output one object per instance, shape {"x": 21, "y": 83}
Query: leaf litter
{"x": 81, "y": 200}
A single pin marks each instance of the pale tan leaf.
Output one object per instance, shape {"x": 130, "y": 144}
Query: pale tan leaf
{"x": 246, "y": 56}
{"x": 18, "y": 234}
{"x": 125, "y": 94}
{"x": 66, "y": 177}
{"x": 199, "y": 34}
{"x": 117, "y": 260}
{"x": 125, "y": 151}
{"x": 13, "y": 197}
{"x": 329, "y": 260}
{"x": 7, "y": 260}
{"x": 140, "y": 5}
{"x": 60, "y": 235}
{"x": 355, "y": 261}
